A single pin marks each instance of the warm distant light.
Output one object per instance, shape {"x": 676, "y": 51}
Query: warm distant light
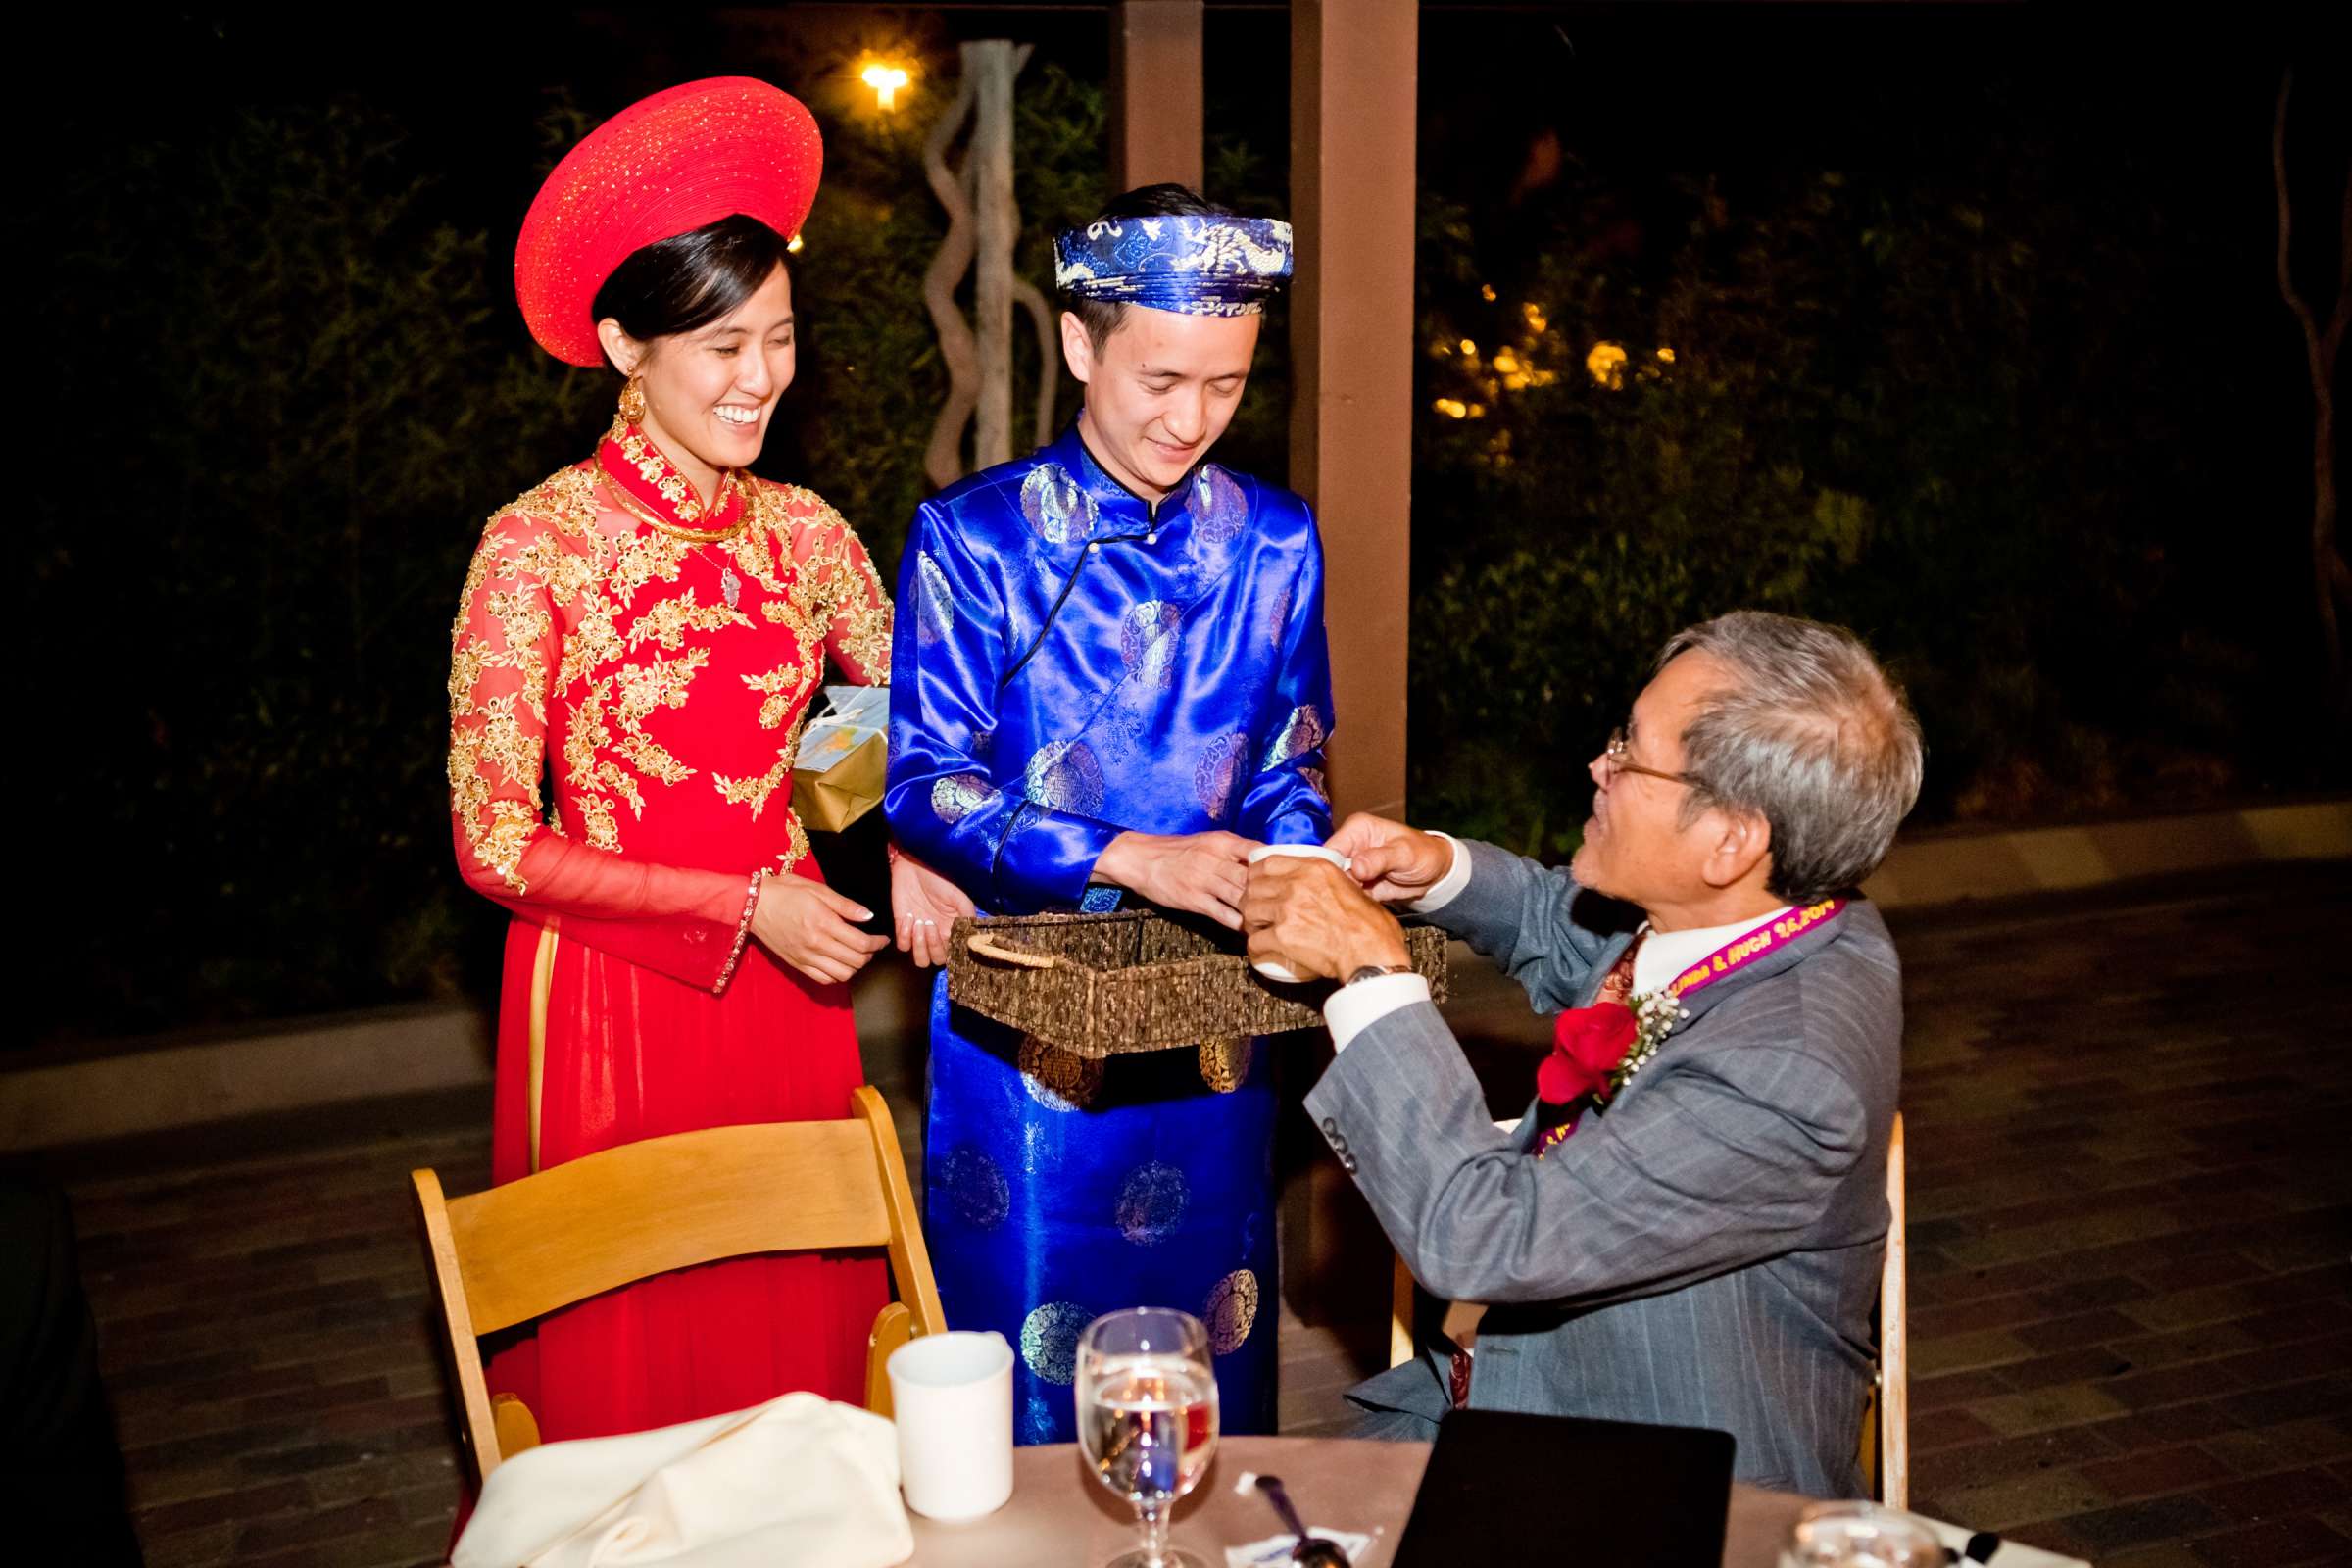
{"x": 1665, "y": 355}
{"x": 1485, "y": 291}
{"x": 1534, "y": 315}
{"x": 1469, "y": 348}
{"x": 1607, "y": 363}
{"x": 793, "y": 245}
{"x": 886, "y": 79}
{"x": 1505, "y": 362}
{"x": 1451, "y": 407}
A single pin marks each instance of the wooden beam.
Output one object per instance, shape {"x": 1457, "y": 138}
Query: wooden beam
{"x": 1352, "y": 96}
{"x": 1155, "y": 77}
{"x": 991, "y": 64}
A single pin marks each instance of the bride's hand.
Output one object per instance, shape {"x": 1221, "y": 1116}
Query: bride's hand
{"x": 813, "y": 928}
{"x": 923, "y": 905}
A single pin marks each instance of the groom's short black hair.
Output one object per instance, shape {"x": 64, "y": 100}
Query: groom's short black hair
{"x": 1101, "y": 318}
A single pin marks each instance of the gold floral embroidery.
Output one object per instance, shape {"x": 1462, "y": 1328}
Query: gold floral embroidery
{"x": 645, "y": 558}
{"x": 519, "y": 547}
{"x": 1225, "y": 1063}
{"x": 654, "y": 469}
{"x": 668, "y": 621}
{"x": 754, "y": 791}
{"x": 796, "y": 845}
{"x": 644, "y": 688}
{"x": 781, "y": 687}
{"x": 836, "y": 599}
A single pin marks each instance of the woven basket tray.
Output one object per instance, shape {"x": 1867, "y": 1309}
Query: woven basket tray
{"x": 1098, "y": 985}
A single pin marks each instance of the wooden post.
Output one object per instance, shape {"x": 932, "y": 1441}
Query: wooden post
{"x": 1353, "y": 95}
{"x": 1155, "y": 77}
{"x": 990, "y": 65}
{"x": 1353, "y": 90}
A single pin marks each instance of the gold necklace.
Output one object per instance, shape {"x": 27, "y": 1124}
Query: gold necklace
{"x": 647, "y": 515}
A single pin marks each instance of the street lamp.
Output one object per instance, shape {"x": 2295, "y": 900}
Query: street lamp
{"x": 886, "y": 79}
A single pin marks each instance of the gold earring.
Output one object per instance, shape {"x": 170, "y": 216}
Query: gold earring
{"x": 632, "y": 401}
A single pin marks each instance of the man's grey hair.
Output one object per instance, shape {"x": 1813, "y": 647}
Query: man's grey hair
{"x": 1809, "y": 734}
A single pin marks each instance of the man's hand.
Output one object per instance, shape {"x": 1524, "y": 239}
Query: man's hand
{"x": 926, "y": 905}
{"x": 1396, "y": 864}
{"x": 1203, "y": 872}
{"x": 1310, "y": 916}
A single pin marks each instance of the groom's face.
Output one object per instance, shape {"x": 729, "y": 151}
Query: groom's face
{"x": 1160, "y": 390}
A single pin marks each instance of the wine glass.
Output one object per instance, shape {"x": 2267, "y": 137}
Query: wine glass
{"x": 1147, "y": 1417}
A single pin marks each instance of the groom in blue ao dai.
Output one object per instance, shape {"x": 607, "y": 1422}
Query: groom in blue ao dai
{"x": 1110, "y": 682}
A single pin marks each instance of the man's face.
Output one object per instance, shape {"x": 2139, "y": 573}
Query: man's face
{"x": 1160, "y": 391}
{"x": 1635, "y": 847}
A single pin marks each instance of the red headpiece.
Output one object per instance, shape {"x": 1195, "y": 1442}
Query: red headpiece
{"x": 662, "y": 167}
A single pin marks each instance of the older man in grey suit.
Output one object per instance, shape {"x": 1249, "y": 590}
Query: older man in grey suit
{"x": 1704, "y": 1249}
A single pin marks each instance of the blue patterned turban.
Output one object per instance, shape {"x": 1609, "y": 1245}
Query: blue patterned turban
{"x": 1191, "y": 265}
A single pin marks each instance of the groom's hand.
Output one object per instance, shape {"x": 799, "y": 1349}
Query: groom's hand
{"x": 1396, "y": 864}
{"x": 1203, "y": 872}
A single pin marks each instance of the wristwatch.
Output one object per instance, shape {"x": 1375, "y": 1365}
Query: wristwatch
{"x": 1372, "y": 971}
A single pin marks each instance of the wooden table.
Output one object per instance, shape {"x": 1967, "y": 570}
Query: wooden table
{"x": 1060, "y": 1515}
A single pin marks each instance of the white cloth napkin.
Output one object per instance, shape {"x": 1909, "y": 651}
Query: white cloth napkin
{"x": 798, "y": 1480}
{"x": 2009, "y": 1554}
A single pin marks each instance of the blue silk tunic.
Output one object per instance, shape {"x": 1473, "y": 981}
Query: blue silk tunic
{"x": 1181, "y": 685}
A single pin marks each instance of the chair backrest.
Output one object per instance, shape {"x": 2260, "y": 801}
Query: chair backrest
{"x": 1887, "y": 1433}
{"x": 517, "y": 1252}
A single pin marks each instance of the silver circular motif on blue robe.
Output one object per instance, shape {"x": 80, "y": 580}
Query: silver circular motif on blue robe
{"x": 1063, "y": 776}
{"x": 1230, "y": 1311}
{"x": 1301, "y": 732}
{"x": 1050, "y": 1340}
{"x": 1218, "y": 771}
{"x": 977, "y": 1188}
{"x": 959, "y": 794}
{"x": 1215, "y": 502}
{"x": 1278, "y": 615}
{"x": 934, "y": 603}
{"x": 1148, "y": 642}
{"x": 1056, "y": 506}
{"x": 1152, "y": 1203}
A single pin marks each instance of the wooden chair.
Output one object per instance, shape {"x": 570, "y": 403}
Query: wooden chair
{"x": 1887, "y": 1417}
{"x": 516, "y": 1252}
{"x": 1886, "y": 1438}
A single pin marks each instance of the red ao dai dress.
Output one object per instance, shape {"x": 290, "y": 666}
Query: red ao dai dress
{"x": 661, "y": 676}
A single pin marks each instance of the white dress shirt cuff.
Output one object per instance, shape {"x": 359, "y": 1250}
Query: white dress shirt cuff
{"x": 1355, "y": 1008}
{"x": 1449, "y": 887}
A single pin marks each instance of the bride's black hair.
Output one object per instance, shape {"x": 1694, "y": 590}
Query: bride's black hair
{"x": 691, "y": 279}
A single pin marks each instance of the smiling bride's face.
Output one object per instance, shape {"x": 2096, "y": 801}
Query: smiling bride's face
{"x": 708, "y": 393}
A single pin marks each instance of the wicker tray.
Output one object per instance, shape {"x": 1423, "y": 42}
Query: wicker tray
{"x": 1098, "y": 985}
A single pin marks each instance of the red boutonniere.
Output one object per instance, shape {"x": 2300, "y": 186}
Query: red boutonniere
{"x": 1588, "y": 1044}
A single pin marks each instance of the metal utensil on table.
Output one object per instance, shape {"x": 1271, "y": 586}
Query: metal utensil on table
{"x": 1313, "y": 1552}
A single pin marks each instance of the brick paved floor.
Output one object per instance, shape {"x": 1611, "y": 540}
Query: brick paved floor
{"x": 2131, "y": 1214}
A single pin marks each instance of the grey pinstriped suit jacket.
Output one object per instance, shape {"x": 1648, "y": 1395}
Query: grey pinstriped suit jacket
{"x": 1707, "y": 1252}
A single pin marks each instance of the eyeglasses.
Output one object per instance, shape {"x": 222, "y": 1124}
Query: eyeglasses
{"x": 1615, "y": 757}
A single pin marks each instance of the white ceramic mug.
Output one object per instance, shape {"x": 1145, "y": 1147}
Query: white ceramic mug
{"x": 952, "y": 1398}
{"x": 1272, "y": 969}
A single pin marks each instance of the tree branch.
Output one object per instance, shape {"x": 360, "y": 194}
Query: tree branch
{"x": 2286, "y": 225}
{"x": 943, "y": 459}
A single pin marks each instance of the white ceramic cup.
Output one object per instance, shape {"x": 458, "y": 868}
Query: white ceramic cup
{"x": 1271, "y": 968}
{"x": 952, "y": 1398}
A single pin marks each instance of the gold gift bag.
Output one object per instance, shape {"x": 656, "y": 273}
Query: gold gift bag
{"x": 837, "y": 771}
